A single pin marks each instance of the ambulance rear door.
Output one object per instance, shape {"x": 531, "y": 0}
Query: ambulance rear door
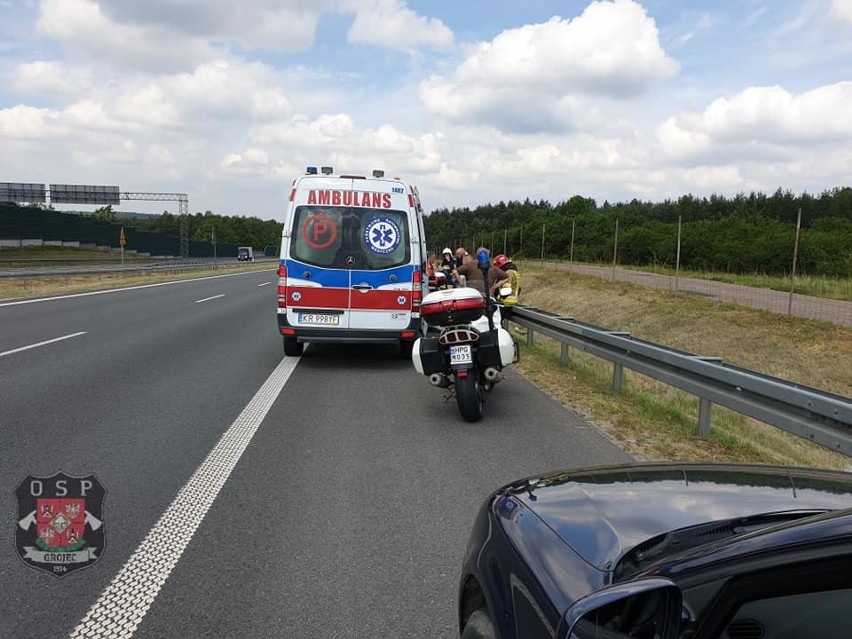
{"x": 382, "y": 263}
{"x": 350, "y": 263}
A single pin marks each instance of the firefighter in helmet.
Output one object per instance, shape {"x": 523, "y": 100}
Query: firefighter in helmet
{"x": 514, "y": 282}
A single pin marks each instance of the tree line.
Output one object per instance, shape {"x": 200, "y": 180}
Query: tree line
{"x": 227, "y": 229}
{"x": 753, "y": 233}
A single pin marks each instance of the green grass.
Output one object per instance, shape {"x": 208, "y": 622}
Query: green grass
{"x": 654, "y": 421}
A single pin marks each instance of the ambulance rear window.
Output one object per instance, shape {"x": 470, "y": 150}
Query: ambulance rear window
{"x": 352, "y": 238}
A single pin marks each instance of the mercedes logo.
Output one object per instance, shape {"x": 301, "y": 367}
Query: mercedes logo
{"x": 350, "y": 260}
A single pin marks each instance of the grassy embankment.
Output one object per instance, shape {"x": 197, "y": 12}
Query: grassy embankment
{"x": 35, "y": 286}
{"x": 653, "y": 421}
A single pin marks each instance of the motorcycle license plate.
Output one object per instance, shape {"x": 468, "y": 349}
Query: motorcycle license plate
{"x": 461, "y": 354}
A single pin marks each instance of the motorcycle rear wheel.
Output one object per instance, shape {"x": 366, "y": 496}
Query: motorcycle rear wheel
{"x": 470, "y": 396}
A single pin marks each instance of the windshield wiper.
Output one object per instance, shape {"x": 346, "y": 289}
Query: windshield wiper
{"x": 682, "y": 539}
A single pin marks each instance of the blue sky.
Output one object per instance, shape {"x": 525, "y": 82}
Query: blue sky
{"x": 475, "y": 102}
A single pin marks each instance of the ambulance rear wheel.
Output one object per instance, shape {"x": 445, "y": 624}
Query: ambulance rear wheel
{"x": 469, "y": 396}
{"x": 292, "y": 348}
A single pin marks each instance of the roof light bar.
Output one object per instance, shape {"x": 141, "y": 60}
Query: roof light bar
{"x": 327, "y": 170}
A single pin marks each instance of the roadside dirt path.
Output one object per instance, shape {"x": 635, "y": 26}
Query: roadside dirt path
{"x": 835, "y": 311}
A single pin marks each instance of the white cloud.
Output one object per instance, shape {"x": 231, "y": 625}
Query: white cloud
{"x": 842, "y": 9}
{"x": 763, "y": 115}
{"x": 334, "y": 140}
{"x": 227, "y": 90}
{"x": 389, "y": 23}
{"x": 250, "y": 161}
{"x": 528, "y": 75}
{"x": 213, "y": 93}
{"x": 51, "y": 78}
{"x": 84, "y": 31}
{"x": 696, "y": 25}
{"x": 28, "y": 123}
{"x": 284, "y": 26}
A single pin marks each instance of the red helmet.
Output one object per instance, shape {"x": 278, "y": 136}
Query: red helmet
{"x": 501, "y": 260}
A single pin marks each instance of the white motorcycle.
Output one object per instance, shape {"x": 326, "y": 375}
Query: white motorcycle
{"x": 471, "y": 349}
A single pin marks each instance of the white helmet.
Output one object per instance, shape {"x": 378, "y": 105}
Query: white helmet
{"x": 446, "y": 250}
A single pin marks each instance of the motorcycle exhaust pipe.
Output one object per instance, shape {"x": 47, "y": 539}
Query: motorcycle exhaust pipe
{"x": 440, "y": 380}
{"x": 493, "y": 375}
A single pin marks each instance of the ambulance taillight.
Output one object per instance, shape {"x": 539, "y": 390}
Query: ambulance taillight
{"x": 416, "y": 291}
{"x": 282, "y": 286}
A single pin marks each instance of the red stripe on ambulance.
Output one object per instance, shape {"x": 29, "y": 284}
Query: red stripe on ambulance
{"x": 382, "y": 300}
{"x": 317, "y": 297}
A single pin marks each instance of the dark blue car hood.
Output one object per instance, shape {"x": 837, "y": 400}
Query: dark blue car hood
{"x": 604, "y": 512}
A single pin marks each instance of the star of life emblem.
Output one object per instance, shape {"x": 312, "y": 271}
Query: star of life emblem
{"x": 382, "y": 235}
{"x": 60, "y": 522}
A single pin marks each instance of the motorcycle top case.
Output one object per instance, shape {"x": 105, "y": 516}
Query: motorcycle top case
{"x": 452, "y": 306}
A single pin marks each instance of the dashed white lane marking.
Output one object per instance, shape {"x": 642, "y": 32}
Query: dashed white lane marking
{"x": 45, "y": 343}
{"x": 207, "y": 299}
{"x": 264, "y": 284}
{"x": 125, "y": 602}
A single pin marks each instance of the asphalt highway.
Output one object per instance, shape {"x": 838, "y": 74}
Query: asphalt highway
{"x": 249, "y": 494}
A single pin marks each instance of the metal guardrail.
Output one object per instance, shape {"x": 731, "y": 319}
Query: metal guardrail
{"x": 819, "y": 416}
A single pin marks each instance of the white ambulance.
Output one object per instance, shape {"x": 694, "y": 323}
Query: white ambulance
{"x": 353, "y": 261}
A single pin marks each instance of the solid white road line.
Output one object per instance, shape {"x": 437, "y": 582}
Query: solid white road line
{"x": 125, "y": 602}
{"x": 207, "y": 299}
{"x": 50, "y": 341}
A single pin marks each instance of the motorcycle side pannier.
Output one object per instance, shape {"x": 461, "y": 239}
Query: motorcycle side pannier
{"x": 429, "y": 356}
{"x": 452, "y": 306}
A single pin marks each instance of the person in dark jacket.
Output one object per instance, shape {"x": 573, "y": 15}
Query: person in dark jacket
{"x": 448, "y": 267}
{"x": 474, "y": 278}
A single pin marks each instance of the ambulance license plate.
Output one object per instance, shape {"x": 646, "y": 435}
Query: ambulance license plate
{"x": 324, "y": 319}
{"x": 461, "y": 354}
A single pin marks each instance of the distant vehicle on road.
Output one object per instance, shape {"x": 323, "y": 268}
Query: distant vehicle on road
{"x": 245, "y": 254}
{"x": 661, "y": 551}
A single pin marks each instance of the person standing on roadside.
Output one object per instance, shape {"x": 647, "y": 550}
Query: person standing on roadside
{"x": 509, "y": 300}
{"x": 448, "y": 267}
{"x": 430, "y": 270}
{"x": 473, "y": 276}
{"x": 462, "y": 257}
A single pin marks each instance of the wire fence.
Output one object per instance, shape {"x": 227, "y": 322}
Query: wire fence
{"x": 807, "y": 306}
{"x": 820, "y": 298}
